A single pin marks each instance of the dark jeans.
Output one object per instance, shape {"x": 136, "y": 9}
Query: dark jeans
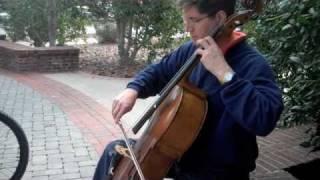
{"x": 109, "y": 157}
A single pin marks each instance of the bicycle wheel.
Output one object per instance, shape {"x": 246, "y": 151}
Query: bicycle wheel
{"x": 14, "y": 149}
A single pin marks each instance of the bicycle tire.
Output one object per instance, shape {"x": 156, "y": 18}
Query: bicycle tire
{"x": 23, "y": 145}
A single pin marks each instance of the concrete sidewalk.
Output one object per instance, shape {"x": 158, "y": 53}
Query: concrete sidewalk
{"x": 102, "y": 90}
{"x": 68, "y": 122}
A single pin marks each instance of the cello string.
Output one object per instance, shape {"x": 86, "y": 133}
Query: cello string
{"x": 134, "y": 159}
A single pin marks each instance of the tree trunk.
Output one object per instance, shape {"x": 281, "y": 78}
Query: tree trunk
{"x": 52, "y": 22}
{"x": 121, "y": 38}
{"x": 127, "y": 46}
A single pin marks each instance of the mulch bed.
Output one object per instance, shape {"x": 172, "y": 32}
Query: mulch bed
{"x": 103, "y": 60}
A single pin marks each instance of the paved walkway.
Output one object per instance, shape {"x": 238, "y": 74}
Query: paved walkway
{"x": 67, "y": 120}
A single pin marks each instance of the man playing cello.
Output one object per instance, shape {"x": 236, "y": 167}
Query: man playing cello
{"x": 243, "y": 98}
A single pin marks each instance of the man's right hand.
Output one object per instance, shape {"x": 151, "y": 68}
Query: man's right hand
{"x": 123, "y": 103}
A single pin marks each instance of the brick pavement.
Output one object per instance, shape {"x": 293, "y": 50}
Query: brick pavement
{"x": 67, "y": 131}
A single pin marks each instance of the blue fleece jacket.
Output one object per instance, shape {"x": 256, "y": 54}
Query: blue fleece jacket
{"x": 248, "y": 105}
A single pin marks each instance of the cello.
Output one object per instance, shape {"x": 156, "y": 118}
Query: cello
{"x": 176, "y": 117}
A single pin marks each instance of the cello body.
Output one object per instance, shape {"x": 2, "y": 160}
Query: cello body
{"x": 174, "y": 127}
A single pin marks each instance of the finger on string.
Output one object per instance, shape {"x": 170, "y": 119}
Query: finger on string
{"x": 202, "y": 43}
{"x": 199, "y": 51}
{"x": 209, "y": 40}
{"x": 212, "y": 42}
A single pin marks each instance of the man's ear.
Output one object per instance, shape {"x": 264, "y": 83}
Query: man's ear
{"x": 221, "y": 17}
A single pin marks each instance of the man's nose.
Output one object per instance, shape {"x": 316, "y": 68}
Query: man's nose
{"x": 188, "y": 28}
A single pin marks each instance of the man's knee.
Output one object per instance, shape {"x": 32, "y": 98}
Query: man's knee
{"x": 111, "y": 146}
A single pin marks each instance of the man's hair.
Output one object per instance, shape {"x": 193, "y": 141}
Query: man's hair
{"x": 209, "y": 7}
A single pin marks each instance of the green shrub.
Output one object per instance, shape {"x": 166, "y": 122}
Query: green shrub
{"x": 288, "y": 33}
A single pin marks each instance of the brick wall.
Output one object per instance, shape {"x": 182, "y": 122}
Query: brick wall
{"x": 20, "y": 58}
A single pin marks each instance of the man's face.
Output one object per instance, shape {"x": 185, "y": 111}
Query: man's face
{"x": 198, "y": 25}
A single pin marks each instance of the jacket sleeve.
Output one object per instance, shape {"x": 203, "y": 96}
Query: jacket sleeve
{"x": 252, "y": 97}
{"x": 153, "y": 78}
